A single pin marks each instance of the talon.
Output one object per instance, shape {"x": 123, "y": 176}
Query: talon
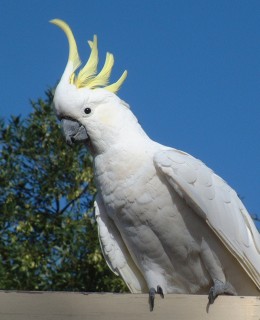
{"x": 152, "y": 293}
{"x": 160, "y": 291}
{"x": 211, "y": 296}
{"x": 151, "y": 298}
{"x": 220, "y": 288}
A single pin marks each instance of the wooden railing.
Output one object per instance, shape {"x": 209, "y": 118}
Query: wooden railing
{"x": 108, "y": 306}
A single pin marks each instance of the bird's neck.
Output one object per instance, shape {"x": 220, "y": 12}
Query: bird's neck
{"x": 124, "y": 134}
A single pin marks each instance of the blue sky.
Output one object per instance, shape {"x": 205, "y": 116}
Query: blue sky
{"x": 193, "y": 71}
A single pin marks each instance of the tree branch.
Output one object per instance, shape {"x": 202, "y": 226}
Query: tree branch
{"x": 72, "y": 201}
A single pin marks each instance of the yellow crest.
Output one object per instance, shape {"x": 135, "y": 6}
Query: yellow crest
{"x": 88, "y": 76}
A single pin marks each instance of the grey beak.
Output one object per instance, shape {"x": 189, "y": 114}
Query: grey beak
{"x": 73, "y": 131}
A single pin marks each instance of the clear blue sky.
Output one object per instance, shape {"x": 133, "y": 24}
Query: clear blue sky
{"x": 194, "y": 71}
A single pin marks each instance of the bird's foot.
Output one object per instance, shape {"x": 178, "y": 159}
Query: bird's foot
{"x": 152, "y": 293}
{"x": 220, "y": 288}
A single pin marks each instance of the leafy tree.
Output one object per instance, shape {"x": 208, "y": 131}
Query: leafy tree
{"x": 48, "y": 236}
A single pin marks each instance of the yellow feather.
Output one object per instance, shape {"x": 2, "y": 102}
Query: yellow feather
{"x": 72, "y": 78}
{"x": 87, "y": 76}
{"x": 73, "y": 50}
{"x": 116, "y": 86}
{"x": 90, "y": 69}
{"x": 102, "y": 78}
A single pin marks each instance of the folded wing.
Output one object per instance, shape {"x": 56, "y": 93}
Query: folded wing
{"x": 115, "y": 251}
{"x": 217, "y": 203}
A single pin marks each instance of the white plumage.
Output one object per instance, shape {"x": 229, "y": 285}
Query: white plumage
{"x": 164, "y": 217}
{"x": 165, "y": 213}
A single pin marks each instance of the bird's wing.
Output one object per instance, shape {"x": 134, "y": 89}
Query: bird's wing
{"x": 217, "y": 203}
{"x": 115, "y": 251}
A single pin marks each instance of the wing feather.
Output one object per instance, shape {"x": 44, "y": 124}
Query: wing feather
{"x": 216, "y": 202}
{"x": 115, "y": 251}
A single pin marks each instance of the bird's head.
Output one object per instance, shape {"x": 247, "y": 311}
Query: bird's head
{"x": 85, "y": 102}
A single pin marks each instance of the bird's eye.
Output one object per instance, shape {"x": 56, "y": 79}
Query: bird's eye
{"x": 87, "y": 110}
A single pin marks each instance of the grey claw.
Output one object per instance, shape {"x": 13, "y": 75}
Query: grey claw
{"x": 151, "y": 298}
{"x": 160, "y": 291}
{"x": 211, "y": 296}
{"x": 152, "y": 293}
{"x": 220, "y": 288}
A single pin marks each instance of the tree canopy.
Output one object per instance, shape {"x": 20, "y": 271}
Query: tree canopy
{"x": 48, "y": 236}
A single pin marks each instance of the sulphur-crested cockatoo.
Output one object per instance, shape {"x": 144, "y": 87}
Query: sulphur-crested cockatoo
{"x": 167, "y": 223}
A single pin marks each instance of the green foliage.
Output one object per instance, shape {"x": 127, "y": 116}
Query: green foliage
{"x": 48, "y": 236}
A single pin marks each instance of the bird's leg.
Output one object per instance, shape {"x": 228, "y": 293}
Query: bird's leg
{"x": 152, "y": 293}
{"x": 220, "y": 288}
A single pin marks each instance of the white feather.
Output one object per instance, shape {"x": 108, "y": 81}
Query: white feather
{"x": 115, "y": 251}
{"x": 219, "y": 205}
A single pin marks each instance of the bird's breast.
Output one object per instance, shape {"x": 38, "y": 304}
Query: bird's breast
{"x": 121, "y": 182}
{"x": 135, "y": 194}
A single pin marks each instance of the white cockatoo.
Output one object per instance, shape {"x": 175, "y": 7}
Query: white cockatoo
{"x": 167, "y": 223}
